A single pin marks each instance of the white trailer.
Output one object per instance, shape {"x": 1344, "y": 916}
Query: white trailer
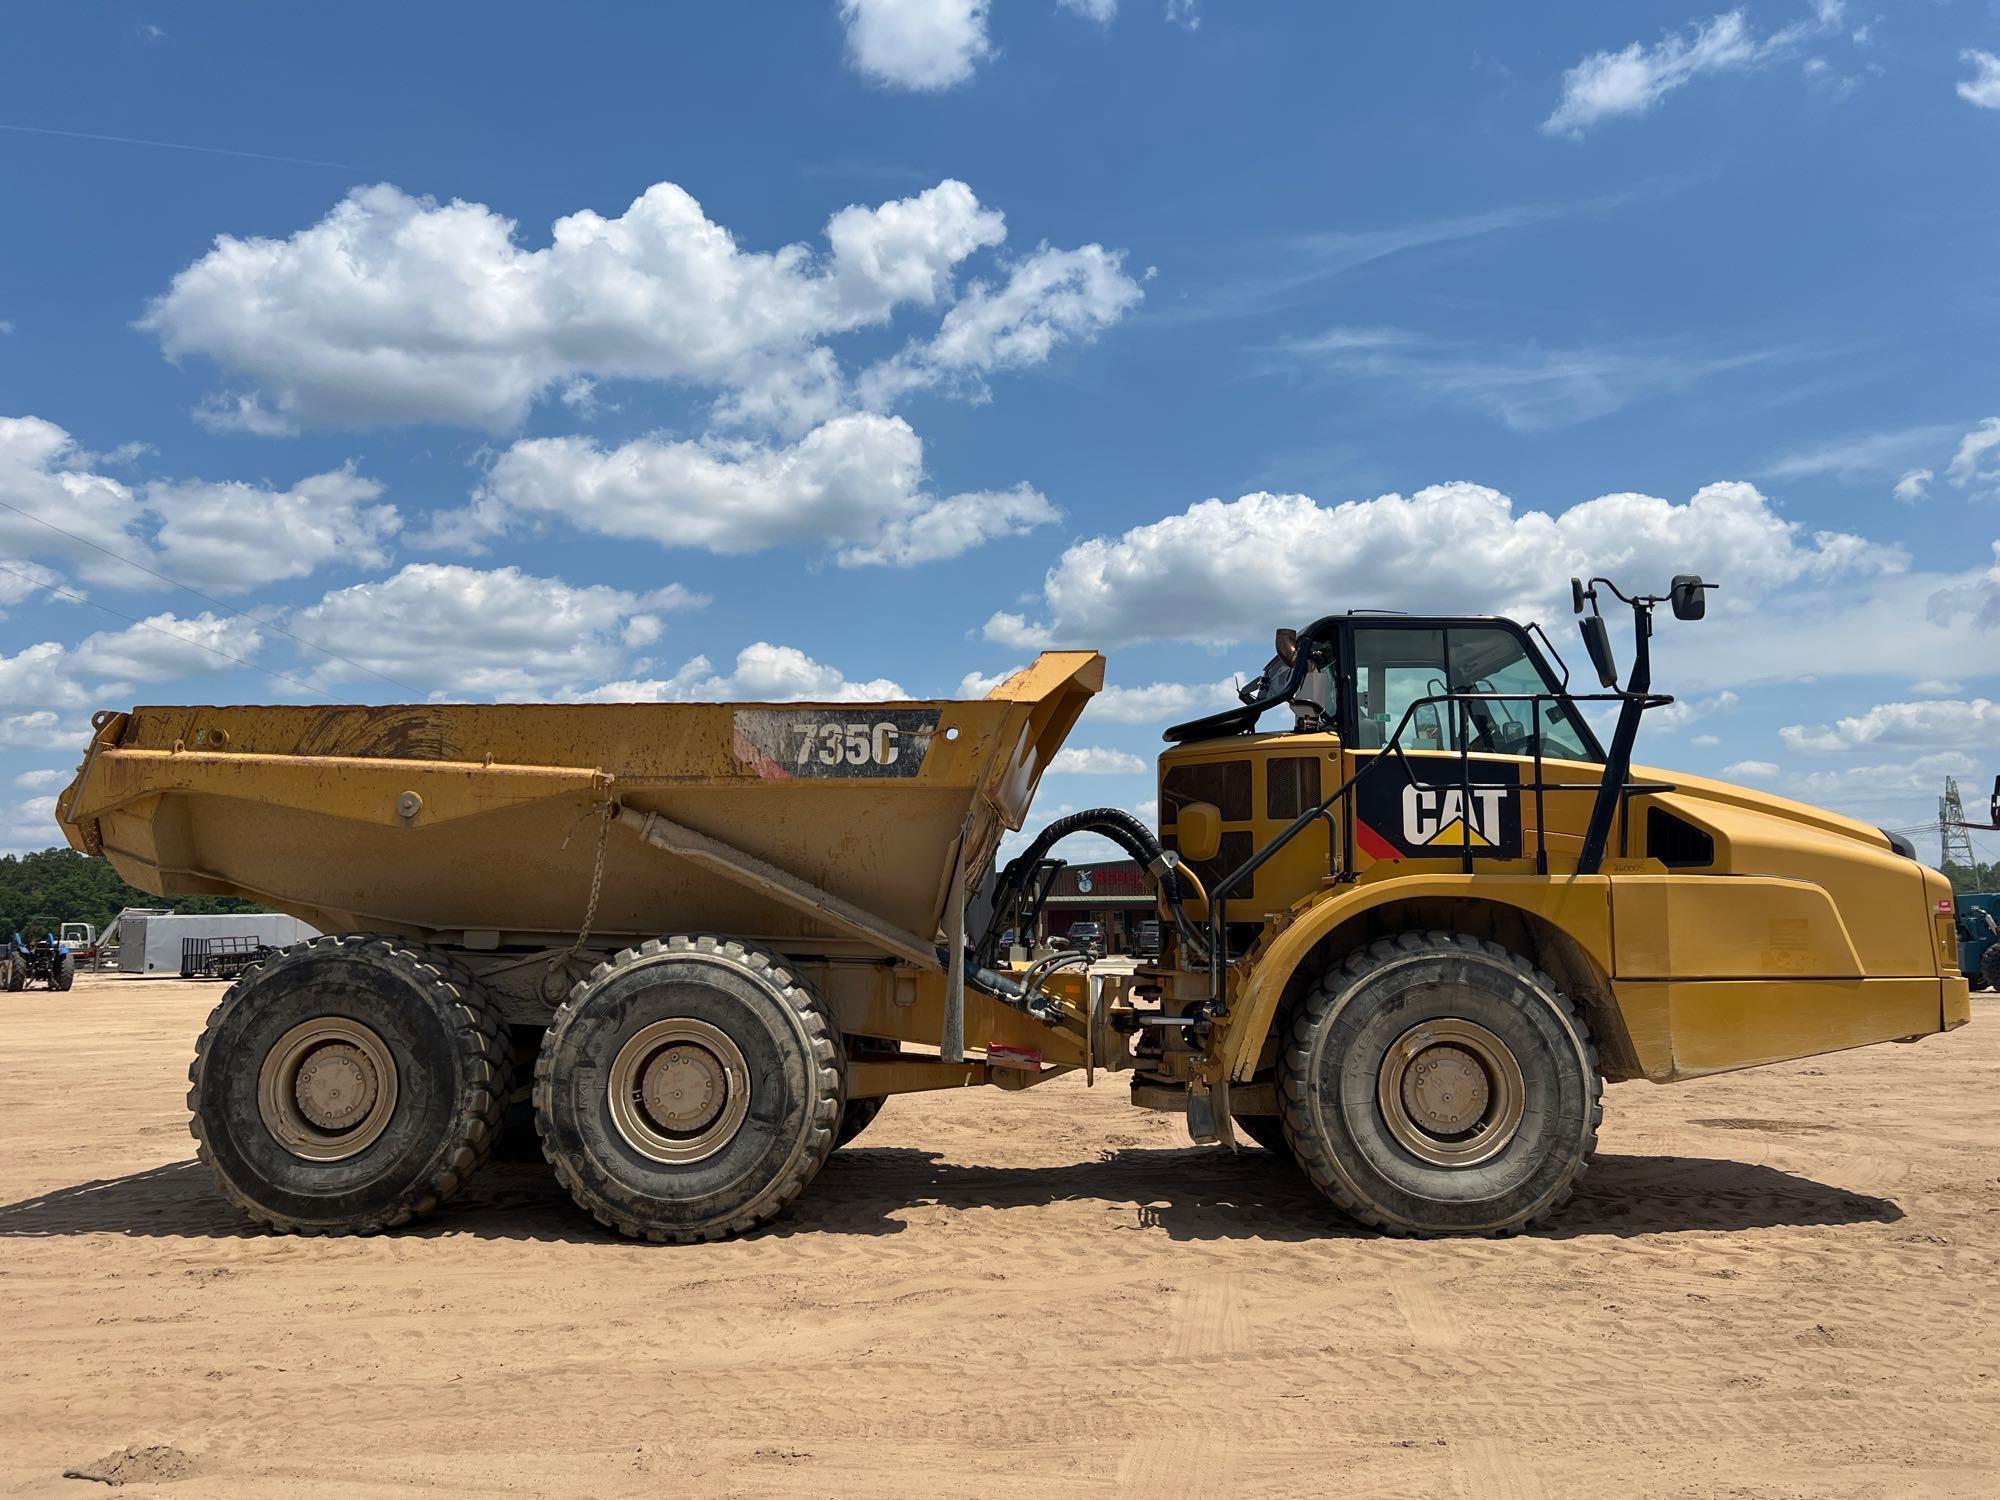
{"x": 151, "y": 942}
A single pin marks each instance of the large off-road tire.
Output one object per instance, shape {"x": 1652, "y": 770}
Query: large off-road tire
{"x": 856, "y": 1115}
{"x": 349, "y": 1084}
{"x": 64, "y": 973}
{"x": 13, "y": 975}
{"x": 1989, "y": 967}
{"x": 1436, "y": 1084}
{"x": 689, "y": 1089}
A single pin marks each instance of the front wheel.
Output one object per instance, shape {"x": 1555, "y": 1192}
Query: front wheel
{"x": 1437, "y": 1084}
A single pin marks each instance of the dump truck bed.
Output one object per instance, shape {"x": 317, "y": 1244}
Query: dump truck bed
{"x": 484, "y": 821}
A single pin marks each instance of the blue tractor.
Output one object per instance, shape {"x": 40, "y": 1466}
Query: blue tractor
{"x": 1979, "y": 938}
{"x": 46, "y": 961}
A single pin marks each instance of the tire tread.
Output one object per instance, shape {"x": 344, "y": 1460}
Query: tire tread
{"x": 1311, "y": 1152}
{"x": 486, "y": 1056}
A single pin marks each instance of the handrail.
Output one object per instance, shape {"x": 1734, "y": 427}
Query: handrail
{"x": 1458, "y": 703}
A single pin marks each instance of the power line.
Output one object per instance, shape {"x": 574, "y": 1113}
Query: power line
{"x": 131, "y": 140}
{"x": 190, "y": 588}
{"x": 185, "y": 640}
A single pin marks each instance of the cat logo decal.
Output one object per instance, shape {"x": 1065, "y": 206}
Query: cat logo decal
{"x": 1431, "y": 811}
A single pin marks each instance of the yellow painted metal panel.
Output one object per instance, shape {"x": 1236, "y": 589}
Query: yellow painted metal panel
{"x": 1728, "y": 927}
{"x": 1957, "y": 1002}
{"x": 1719, "y": 1025}
{"x": 429, "y": 817}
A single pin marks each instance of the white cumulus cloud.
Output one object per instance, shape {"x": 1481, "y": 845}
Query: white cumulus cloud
{"x": 924, "y": 45}
{"x": 43, "y": 729}
{"x": 1103, "y": 12}
{"x": 1983, "y": 87}
{"x": 1751, "y": 770}
{"x": 1162, "y": 702}
{"x": 483, "y": 633}
{"x": 1224, "y": 572}
{"x": 1976, "y": 465}
{"x": 29, "y": 825}
{"x": 1912, "y": 486}
{"x": 396, "y": 309}
{"x": 763, "y": 673}
{"x": 221, "y": 537}
{"x": 855, "y": 482}
{"x": 1964, "y": 723}
{"x": 1631, "y": 80}
{"x": 1052, "y": 297}
{"x": 1094, "y": 760}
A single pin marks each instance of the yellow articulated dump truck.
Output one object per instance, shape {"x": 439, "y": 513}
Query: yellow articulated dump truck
{"x": 1414, "y": 916}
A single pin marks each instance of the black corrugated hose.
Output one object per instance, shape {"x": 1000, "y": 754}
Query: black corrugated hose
{"x": 1124, "y": 830}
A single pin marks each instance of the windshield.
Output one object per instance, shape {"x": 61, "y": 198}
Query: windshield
{"x": 1397, "y": 666}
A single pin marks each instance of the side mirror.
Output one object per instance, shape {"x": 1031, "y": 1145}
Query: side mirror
{"x": 1597, "y": 641}
{"x": 1198, "y": 831}
{"x": 1689, "y": 595}
{"x": 1576, "y": 596}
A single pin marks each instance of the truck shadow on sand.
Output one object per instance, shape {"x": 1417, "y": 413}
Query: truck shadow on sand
{"x": 1185, "y": 1194}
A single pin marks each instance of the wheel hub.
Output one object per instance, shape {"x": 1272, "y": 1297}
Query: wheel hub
{"x": 335, "y": 1086}
{"x": 327, "y": 1089}
{"x": 1451, "y": 1092}
{"x": 683, "y": 1087}
{"x": 678, "y": 1090}
{"x": 1445, "y": 1090}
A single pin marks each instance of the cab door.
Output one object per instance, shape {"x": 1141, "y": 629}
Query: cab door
{"x": 1464, "y": 791}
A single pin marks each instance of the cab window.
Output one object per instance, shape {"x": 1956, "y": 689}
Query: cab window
{"x": 1392, "y": 670}
{"x": 1396, "y": 667}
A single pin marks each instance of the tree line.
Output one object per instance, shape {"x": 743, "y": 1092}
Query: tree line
{"x": 1966, "y": 879}
{"x": 60, "y": 885}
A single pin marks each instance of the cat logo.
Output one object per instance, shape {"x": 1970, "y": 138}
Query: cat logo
{"x": 1427, "y": 807}
{"x": 1434, "y": 815}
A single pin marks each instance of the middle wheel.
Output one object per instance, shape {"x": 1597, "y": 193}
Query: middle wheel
{"x": 689, "y": 1089}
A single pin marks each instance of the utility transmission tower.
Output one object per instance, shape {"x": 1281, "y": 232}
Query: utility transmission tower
{"x": 1955, "y": 842}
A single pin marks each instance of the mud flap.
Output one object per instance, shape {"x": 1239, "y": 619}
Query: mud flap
{"x": 1208, "y": 1115}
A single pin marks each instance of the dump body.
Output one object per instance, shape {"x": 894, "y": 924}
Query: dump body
{"x": 482, "y": 824}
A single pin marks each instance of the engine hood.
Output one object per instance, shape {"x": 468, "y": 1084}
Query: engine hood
{"x": 1885, "y": 903}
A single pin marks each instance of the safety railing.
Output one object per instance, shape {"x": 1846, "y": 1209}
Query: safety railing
{"x": 1459, "y": 710}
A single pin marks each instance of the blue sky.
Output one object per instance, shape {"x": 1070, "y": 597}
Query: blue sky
{"x": 884, "y": 341}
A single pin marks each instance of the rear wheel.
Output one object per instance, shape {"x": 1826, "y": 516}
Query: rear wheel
{"x": 1437, "y": 1084}
{"x": 64, "y": 973}
{"x": 689, "y": 1089}
{"x": 348, "y": 1085}
{"x": 12, "y": 976}
{"x": 1989, "y": 967}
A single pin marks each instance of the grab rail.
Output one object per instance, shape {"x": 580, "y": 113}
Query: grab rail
{"x": 1217, "y": 1005}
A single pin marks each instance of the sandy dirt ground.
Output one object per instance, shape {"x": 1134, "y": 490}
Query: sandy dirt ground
{"x": 1779, "y": 1283}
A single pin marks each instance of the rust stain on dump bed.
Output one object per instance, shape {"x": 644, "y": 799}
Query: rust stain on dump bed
{"x": 397, "y": 732}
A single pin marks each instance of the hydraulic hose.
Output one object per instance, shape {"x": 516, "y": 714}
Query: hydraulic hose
{"x": 1124, "y": 830}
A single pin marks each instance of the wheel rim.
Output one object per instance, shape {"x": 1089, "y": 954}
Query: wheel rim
{"x": 1451, "y": 1092}
{"x": 327, "y": 1089}
{"x": 678, "y": 1090}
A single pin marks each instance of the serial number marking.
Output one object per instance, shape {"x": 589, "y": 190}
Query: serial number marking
{"x": 835, "y": 744}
